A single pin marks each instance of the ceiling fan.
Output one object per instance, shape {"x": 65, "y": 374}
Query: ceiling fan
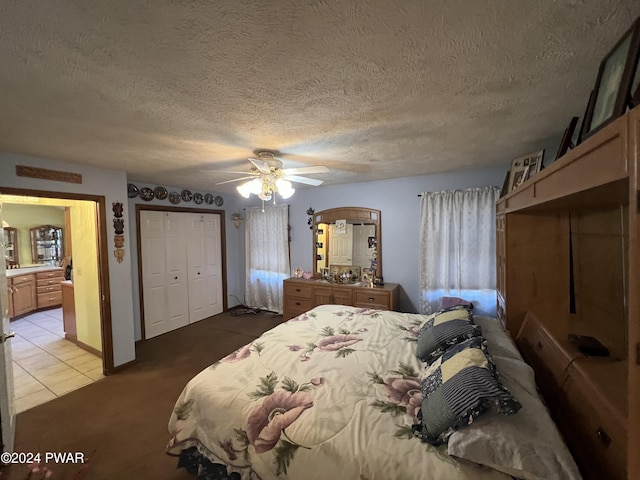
{"x": 266, "y": 177}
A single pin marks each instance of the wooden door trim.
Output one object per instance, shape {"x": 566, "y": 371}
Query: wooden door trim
{"x": 223, "y": 252}
{"x": 104, "y": 290}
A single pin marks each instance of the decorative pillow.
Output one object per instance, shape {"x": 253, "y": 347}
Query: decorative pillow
{"x": 448, "y": 302}
{"x": 459, "y": 386}
{"x": 527, "y": 445}
{"x": 444, "y": 329}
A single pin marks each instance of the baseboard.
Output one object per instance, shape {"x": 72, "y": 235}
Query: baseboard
{"x": 124, "y": 366}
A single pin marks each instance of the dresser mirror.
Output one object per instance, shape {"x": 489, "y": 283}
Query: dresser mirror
{"x": 347, "y": 242}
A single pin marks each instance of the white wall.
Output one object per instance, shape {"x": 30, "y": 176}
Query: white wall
{"x": 112, "y": 184}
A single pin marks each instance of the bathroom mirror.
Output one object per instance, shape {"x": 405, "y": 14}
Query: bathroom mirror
{"x": 347, "y": 240}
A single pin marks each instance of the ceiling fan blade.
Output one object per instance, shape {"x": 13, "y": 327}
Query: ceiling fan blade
{"x": 235, "y": 180}
{"x": 295, "y": 171}
{"x": 261, "y": 165}
{"x": 308, "y": 181}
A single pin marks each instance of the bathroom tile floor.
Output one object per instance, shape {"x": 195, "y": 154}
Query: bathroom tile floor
{"x": 45, "y": 365}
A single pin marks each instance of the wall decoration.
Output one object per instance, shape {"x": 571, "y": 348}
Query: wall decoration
{"x": 46, "y": 174}
{"x": 208, "y": 199}
{"x": 520, "y": 168}
{"x": 186, "y": 195}
{"x": 341, "y": 227}
{"x": 146, "y": 194}
{"x": 118, "y": 227}
{"x": 218, "y": 201}
{"x": 566, "y": 144}
{"x": 174, "y": 198}
{"x": 198, "y": 198}
{"x": 132, "y": 190}
{"x": 613, "y": 83}
{"x": 160, "y": 193}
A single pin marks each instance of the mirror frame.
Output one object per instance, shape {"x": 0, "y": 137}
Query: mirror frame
{"x": 357, "y": 214}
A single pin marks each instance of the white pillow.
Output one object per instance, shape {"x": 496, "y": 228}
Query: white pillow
{"x": 498, "y": 339}
{"x": 525, "y": 445}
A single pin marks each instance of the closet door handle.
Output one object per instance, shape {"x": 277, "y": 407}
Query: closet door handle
{"x": 175, "y": 278}
{"x": 198, "y": 273}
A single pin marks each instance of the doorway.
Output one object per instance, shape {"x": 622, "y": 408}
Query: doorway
{"x": 48, "y": 318}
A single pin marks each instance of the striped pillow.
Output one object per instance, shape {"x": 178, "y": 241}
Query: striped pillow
{"x": 458, "y": 387}
{"x": 444, "y": 329}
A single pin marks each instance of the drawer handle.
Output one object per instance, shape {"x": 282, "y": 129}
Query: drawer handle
{"x": 371, "y": 299}
{"x": 298, "y": 304}
{"x": 297, "y": 289}
{"x": 603, "y": 437}
{"x": 539, "y": 344}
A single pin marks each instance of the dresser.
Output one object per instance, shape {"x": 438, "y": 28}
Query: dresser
{"x": 301, "y": 295}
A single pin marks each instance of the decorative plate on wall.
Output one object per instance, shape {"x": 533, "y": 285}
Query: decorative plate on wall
{"x": 186, "y": 195}
{"x": 198, "y": 198}
{"x": 174, "y": 197}
{"x": 132, "y": 190}
{"x": 218, "y": 201}
{"x": 146, "y": 194}
{"x": 161, "y": 193}
{"x": 208, "y": 198}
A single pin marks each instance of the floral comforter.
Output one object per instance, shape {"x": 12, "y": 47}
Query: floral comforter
{"x": 331, "y": 394}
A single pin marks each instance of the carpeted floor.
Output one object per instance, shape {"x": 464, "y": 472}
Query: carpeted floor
{"x": 123, "y": 418}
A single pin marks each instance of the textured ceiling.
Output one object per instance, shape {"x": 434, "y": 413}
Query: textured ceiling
{"x": 174, "y": 91}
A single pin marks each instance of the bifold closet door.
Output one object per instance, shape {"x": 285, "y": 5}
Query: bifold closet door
{"x": 164, "y": 272}
{"x": 204, "y": 266}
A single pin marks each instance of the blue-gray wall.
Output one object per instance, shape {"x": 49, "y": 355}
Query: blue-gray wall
{"x": 400, "y": 211}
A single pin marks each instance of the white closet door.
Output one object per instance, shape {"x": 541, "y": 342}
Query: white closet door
{"x": 196, "y": 266}
{"x": 204, "y": 266}
{"x": 177, "y": 275}
{"x": 164, "y": 275}
{"x": 213, "y": 263}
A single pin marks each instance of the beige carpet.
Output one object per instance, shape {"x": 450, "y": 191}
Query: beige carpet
{"x": 123, "y": 418}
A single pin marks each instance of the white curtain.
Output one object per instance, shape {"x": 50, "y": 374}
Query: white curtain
{"x": 458, "y": 248}
{"x": 267, "y": 256}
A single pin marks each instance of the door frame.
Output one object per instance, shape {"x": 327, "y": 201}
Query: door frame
{"x": 223, "y": 252}
{"x": 104, "y": 290}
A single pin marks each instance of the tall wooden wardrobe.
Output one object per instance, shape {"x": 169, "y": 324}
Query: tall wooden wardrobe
{"x": 568, "y": 261}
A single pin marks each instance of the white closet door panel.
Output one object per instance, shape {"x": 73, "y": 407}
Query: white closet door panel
{"x": 177, "y": 278}
{"x": 152, "y": 241}
{"x": 155, "y": 312}
{"x": 196, "y": 268}
{"x": 213, "y": 261}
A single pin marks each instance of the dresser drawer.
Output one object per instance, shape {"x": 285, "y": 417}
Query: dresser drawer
{"x": 299, "y": 305}
{"x": 45, "y": 282}
{"x": 48, "y": 288}
{"x": 594, "y": 434}
{"x": 372, "y": 299}
{"x": 549, "y": 357}
{"x": 49, "y": 299}
{"x": 298, "y": 290}
{"x": 21, "y": 279}
{"x": 50, "y": 274}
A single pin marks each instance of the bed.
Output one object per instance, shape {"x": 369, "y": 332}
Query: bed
{"x": 336, "y": 393}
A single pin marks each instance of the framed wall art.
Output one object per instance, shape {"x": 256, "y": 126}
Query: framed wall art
{"x": 523, "y": 168}
{"x": 566, "y": 144}
{"x": 611, "y": 94}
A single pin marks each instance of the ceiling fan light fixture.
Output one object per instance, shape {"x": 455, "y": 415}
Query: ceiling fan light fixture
{"x": 244, "y": 189}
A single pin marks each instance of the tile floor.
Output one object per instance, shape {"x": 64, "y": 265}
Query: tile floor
{"x": 45, "y": 365}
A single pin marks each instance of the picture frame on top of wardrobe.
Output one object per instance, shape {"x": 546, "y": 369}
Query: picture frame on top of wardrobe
{"x": 611, "y": 94}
